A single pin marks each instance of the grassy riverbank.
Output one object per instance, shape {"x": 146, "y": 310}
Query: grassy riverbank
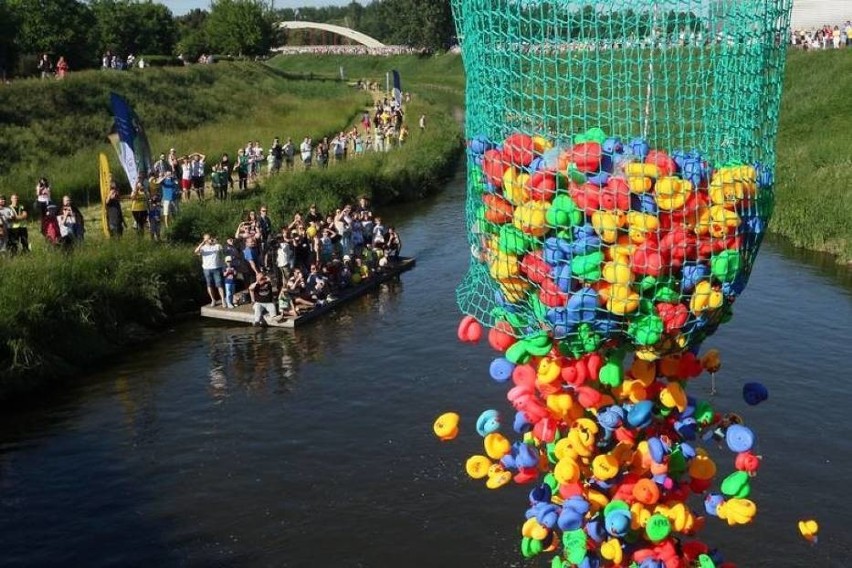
{"x": 814, "y": 196}
{"x": 60, "y": 313}
{"x": 56, "y": 128}
{"x": 420, "y": 167}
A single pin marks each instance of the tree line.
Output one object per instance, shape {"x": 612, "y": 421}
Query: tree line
{"x": 83, "y": 32}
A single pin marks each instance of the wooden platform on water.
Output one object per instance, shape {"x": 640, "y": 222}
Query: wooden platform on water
{"x": 245, "y": 313}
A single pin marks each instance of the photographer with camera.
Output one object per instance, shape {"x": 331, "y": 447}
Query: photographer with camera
{"x": 210, "y": 252}
{"x": 42, "y": 195}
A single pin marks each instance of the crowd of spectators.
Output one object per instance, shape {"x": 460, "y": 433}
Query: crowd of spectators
{"x": 113, "y": 61}
{"x": 176, "y": 178}
{"x": 825, "y": 37}
{"x": 173, "y": 178}
{"x": 61, "y": 222}
{"x": 386, "y": 50}
{"x": 288, "y": 269}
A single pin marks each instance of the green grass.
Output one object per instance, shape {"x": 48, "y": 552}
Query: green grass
{"x": 57, "y": 128}
{"x": 61, "y": 312}
{"x": 814, "y": 196}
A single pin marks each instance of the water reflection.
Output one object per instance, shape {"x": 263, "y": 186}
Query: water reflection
{"x": 264, "y": 362}
{"x": 823, "y": 263}
{"x": 139, "y": 411}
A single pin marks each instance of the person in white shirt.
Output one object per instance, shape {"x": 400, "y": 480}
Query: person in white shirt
{"x": 306, "y": 151}
{"x": 210, "y": 252}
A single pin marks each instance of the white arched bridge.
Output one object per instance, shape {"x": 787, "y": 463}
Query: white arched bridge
{"x": 363, "y": 39}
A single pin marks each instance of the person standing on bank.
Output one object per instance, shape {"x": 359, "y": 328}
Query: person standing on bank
{"x": 196, "y": 168}
{"x": 45, "y": 66}
{"x": 139, "y": 206}
{"x": 19, "y": 237}
{"x": 115, "y": 217}
{"x": 42, "y": 195}
{"x": 289, "y": 151}
{"x": 262, "y": 298}
{"x": 7, "y": 215}
{"x": 242, "y": 168}
{"x": 210, "y": 252}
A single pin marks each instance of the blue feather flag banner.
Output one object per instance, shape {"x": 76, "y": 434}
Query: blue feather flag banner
{"x": 397, "y": 88}
{"x": 129, "y": 139}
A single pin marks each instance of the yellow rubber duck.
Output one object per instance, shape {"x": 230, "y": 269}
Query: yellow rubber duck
{"x": 737, "y": 511}
{"x": 446, "y": 427}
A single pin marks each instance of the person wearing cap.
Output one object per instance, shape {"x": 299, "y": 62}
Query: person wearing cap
{"x": 363, "y": 204}
{"x": 230, "y": 275}
{"x": 262, "y": 298}
{"x": 161, "y": 166}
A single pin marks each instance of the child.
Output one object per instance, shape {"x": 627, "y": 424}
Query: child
{"x": 285, "y": 305}
{"x": 230, "y": 281}
{"x": 155, "y": 214}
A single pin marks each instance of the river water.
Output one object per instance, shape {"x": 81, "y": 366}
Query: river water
{"x": 234, "y": 446}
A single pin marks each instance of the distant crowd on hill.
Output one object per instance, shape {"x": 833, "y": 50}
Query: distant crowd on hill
{"x": 386, "y": 51}
{"x": 174, "y": 178}
{"x": 825, "y": 37}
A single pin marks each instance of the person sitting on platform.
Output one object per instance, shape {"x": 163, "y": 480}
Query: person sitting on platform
{"x": 286, "y": 306}
{"x": 297, "y": 290}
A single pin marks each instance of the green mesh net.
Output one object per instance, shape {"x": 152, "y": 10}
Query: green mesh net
{"x": 620, "y": 164}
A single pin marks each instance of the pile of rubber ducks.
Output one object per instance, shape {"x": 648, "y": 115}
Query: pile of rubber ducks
{"x": 604, "y": 241}
{"x": 612, "y": 447}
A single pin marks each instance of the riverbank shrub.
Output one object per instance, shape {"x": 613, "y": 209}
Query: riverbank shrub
{"x": 63, "y": 311}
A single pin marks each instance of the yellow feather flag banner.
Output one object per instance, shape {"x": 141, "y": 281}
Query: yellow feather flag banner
{"x": 106, "y": 177}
